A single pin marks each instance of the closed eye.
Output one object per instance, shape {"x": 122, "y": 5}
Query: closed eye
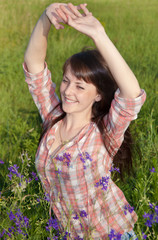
{"x": 80, "y": 87}
{"x": 65, "y": 80}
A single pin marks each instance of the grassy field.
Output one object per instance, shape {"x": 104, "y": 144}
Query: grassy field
{"x": 132, "y": 26}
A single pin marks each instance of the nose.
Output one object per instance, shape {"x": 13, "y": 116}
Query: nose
{"x": 68, "y": 89}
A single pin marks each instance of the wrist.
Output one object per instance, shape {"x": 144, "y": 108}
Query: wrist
{"x": 46, "y": 16}
{"x": 100, "y": 36}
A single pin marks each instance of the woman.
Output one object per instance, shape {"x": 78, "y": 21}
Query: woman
{"x": 84, "y": 131}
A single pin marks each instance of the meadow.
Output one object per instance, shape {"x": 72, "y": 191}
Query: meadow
{"x": 132, "y": 25}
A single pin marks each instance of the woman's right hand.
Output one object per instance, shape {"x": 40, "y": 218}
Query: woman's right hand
{"x": 54, "y": 16}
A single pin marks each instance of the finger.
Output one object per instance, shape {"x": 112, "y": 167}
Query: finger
{"x": 68, "y": 11}
{"x": 85, "y": 10}
{"x": 61, "y": 14}
{"x": 56, "y": 18}
{"x": 58, "y": 26}
{"x": 79, "y": 7}
{"x": 74, "y": 9}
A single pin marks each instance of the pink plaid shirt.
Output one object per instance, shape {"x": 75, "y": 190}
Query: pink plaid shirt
{"x": 83, "y": 197}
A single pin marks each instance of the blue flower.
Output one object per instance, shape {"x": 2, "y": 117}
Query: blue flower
{"x": 13, "y": 170}
{"x": 128, "y": 208}
{"x": 103, "y": 182}
{"x": 52, "y": 223}
{"x": 148, "y": 223}
{"x": 114, "y": 236}
{"x": 152, "y": 169}
{"x": 151, "y": 205}
{"x": 58, "y": 171}
{"x": 113, "y": 169}
{"x": 35, "y": 176}
{"x": 144, "y": 236}
{"x": 11, "y": 216}
{"x": 85, "y": 158}
{"x": 1, "y": 162}
{"x": 156, "y": 209}
{"x": 88, "y": 157}
{"x": 76, "y": 217}
{"x": 83, "y": 213}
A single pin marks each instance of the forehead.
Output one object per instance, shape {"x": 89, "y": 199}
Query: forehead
{"x": 69, "y": 74}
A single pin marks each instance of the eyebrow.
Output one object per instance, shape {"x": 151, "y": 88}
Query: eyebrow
{"x": 77, "y": 81}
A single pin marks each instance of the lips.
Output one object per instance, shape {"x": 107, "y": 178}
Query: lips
{"x": 67, "y": 100}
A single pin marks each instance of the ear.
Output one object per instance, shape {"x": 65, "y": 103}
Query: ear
{"x": 98, "y": 98}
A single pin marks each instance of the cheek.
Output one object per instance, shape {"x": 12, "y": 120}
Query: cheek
{"x": 61, "y": 88}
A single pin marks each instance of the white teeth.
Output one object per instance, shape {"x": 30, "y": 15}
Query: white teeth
{"x": 70, "y": 101}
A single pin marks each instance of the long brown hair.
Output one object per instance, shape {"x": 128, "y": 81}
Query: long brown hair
{"x": 90, "y": 66}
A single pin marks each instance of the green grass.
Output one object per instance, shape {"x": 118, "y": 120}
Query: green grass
{"x": 132, "y": 26}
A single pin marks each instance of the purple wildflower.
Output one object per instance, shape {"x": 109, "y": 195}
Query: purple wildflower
{"x": 66, "y": 158}
{"x": 47, "y": 198}
{"x": 114, "y": 236}
{"x": 85, "y": 158}
{"x": 13, "y": 170}
{"x": 151, "y": 217}
{"x": 10, "y": 176}
{"x": 152, "y": 169}
{"x": 148, "y": 223}
{"x": 35, "y": 176}
{"x": 59, "y": 158}
{"x": 156, "y": 219}
{"x": 11, "y": 216}
{"x": 151, "y": 205}
{"x": 1, "y": 162}
{"x": 52, "y": 223}
{"x": 76, "y": 217}
{"x": 83, "y": 213}
{"x": 88, "y": 157}
{"x": 144, "y": 236}
{"x": 146, "y": 215}
{"x": 128, "y": 208}
{"x": 28, "y": 180}
{"x": 113, "y": 169}
{"x": 58, "y": 171}
{"x": 66, "y": 235}
{"x": 81, "y": 157}
{"x": 103, "y": 182}
{"x": 19, "y": 221}
{"x": 78, "y": 238}
{"x": 2, "y": 234}
{"x": 156, "y": 209}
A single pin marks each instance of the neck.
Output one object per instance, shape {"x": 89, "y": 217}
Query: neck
{"x": 74, "y": 122}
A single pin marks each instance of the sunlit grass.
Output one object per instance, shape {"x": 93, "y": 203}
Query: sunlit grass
{"x": 132, "y": 26}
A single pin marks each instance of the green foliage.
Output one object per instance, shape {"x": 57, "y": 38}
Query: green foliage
{"x": 132, "y": 26}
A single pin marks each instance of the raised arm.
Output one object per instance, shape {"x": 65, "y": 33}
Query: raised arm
{"x": 36, "y": 50}
{"x": 87, "y": 24}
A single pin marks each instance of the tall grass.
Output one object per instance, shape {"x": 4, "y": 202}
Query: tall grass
{"x": 132, "y": 26}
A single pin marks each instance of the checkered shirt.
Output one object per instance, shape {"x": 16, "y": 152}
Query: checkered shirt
{"x": 83, "y": 197}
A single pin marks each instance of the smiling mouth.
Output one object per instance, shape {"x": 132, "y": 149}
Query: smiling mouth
{"x": 69, "y": 100}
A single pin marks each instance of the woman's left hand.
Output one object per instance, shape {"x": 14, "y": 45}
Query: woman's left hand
{"x": 85, "y": 23}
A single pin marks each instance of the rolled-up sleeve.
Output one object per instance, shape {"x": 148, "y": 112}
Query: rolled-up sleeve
{"x": 42, "y": 90}
{"x": 121, "y": 113}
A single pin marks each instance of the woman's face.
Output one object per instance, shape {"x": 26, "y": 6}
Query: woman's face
{"x": 77, "y": 96}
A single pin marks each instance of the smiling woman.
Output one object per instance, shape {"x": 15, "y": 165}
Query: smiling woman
{"x": 77, "y": 97}
{"x": 83, "y": 132}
